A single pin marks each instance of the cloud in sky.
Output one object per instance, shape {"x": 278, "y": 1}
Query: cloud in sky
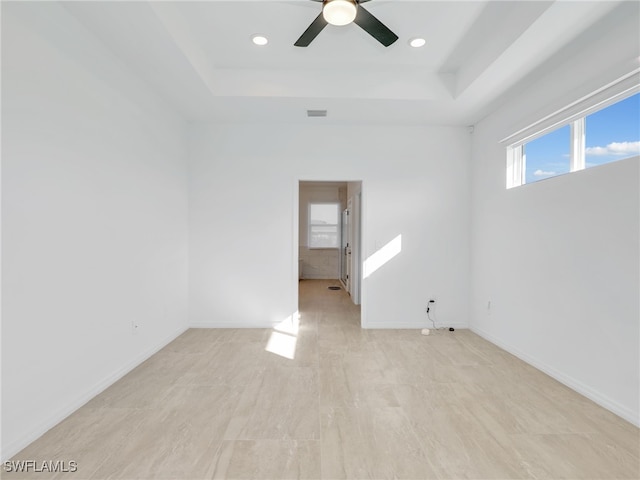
{"x": 615, "y": 148}
{"x": 542, "y": 173}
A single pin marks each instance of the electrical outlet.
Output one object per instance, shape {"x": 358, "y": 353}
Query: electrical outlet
{"x": 431, "y": 304}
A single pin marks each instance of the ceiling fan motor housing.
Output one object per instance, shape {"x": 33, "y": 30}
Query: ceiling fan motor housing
{"x": 344, "y": 12}
{"x": 339, "y": 12}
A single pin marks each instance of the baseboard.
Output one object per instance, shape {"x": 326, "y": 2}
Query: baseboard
{"x": 16, "y": 446}
{"x": 230, "y": 325}
{"x": 318, "y": 277}
{"x": 409, "y": 325}
{"x": 567, "y": 380}
{"x": 367, "y": 326}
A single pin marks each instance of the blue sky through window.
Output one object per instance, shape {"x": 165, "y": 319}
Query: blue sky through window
{"x": 548, "y": 155}
{"x": 614, "y": 132}
{"x": 611, "y": 134}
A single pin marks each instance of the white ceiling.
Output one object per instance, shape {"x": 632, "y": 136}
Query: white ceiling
{"x": 199, "y": 57}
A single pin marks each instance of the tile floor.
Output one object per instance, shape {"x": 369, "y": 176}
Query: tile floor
{"x": 352, "y": 403}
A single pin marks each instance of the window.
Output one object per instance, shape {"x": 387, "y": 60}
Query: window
{"x": 613, "y": 133}
{"x": 547, "y": 156}
{"x": 323, "y": 225}
{"x": 596, "y": 130}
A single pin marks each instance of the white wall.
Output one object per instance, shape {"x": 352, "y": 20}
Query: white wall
{"x": 559, "y": 259}
{"x": 415, "y": 184}
{"x": 94, "y": 216}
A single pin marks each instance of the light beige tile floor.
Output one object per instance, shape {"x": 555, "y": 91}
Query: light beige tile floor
{"x": 352, "y": 403}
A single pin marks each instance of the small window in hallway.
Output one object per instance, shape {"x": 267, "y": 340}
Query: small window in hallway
{"x": 323, "y": 225}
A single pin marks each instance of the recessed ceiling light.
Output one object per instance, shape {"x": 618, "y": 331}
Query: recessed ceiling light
{"x": 259, "y": 40}
{"x": 417, "y": 42}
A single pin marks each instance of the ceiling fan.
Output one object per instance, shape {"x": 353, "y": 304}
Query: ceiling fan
{"x": 343, "y": 12}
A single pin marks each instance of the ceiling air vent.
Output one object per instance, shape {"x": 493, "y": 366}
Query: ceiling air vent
{"x": 316, "y": 113}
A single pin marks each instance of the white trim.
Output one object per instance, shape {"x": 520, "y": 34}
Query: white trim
{"x": 356, "y": 248}
{"x": 412, "y": 325}
{"x": 318, "y": 276}
{"x": 577, "y": 148}
{"x": 516, "y": 166}
{"x": 14, "y": 447}
{"x": 295, "y": 241}
{"x": 363, "y": 212}
{"x": 574, "y": 384}
{"x": 611, "y": 93}
{"x": 225, "y": 325}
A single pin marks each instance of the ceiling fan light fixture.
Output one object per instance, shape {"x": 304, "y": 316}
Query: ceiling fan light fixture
{"x": 339, "y": 12}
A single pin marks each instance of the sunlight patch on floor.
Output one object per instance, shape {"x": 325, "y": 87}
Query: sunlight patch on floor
{"x": 289, "y": 325}
{"x": 282, "y": 344}
{"x": 284, "y": 337}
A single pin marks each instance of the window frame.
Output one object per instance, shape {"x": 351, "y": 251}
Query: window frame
{"x": 310, "y": 225}
{"x": 573, "y": 115}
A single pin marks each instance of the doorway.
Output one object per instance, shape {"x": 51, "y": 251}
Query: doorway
{"x": 329, "y": 247}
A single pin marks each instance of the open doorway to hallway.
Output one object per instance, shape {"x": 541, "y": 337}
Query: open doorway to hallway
{"x": 329, "y": 241}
